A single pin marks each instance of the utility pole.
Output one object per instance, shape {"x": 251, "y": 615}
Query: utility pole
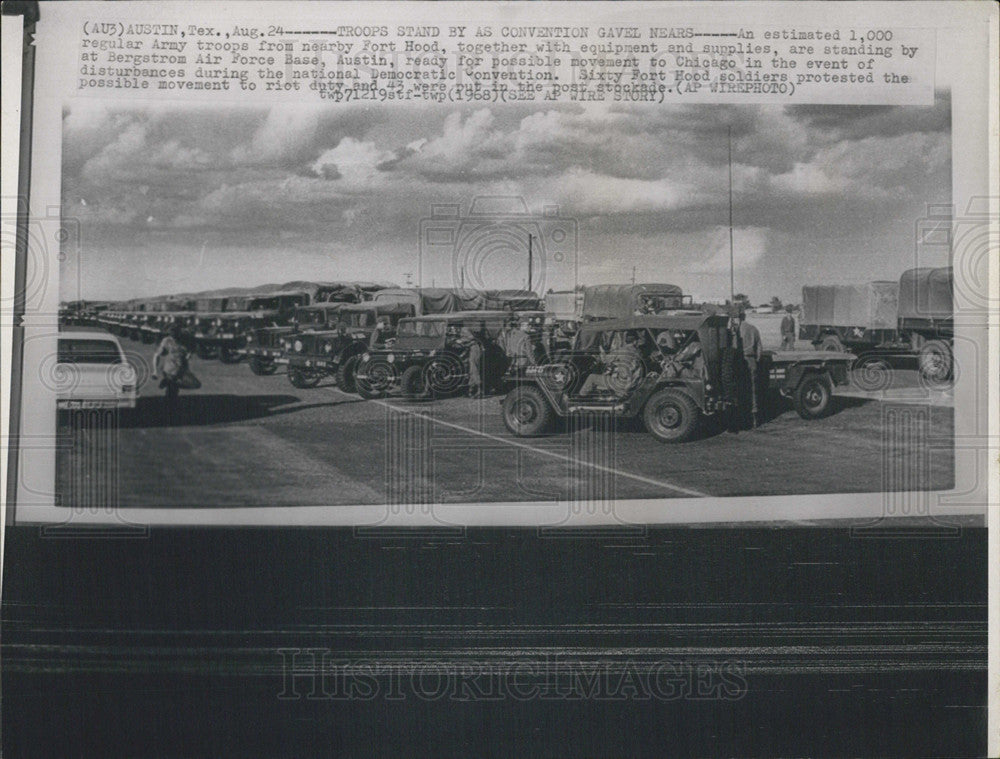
{"x": 409, "y": 278}
{"x": 732, "y": 264}
{"x": 633, "y": 275}
{"x": 529, "y": 263}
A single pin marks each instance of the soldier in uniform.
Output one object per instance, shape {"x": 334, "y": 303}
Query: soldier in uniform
{"x": 749, "y": 340}
{"x": 788, "y": 333}
{"x": 468, "y": 339}
{"x": 517, "y": 345}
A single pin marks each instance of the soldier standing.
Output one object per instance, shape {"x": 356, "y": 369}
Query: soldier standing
{"x": 749, "y": 338}
{"x": 468, "y": 339}
{"x": 788, "y": 332}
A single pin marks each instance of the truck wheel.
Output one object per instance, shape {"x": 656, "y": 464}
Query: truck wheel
{"x": 301, "y": 379}
{"x": 262, "y": 366}
{"x": 936, "y": 361}
{"x": 345, "y": 374}
{"x": 813, "y": 396}
{"x": 412, "y": 382}
{"x": 229, "y": 356}
{"x": 671, "y": 416}
{"x": 526, "y": 412}
{"x": 831, "y": 343}
{"x": 367, "y": 391}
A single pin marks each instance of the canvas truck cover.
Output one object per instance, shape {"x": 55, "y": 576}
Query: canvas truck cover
{"x": 872, "y": 305}
{"x": 564, "y": 305}
{"x": 926, "y": 293}
{"x": 426, "y": 300}
{"x": 621, "y": 301}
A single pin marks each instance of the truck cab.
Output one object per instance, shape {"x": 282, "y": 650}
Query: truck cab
{"x": 429, "y": 355}
{"x": 335, "y": 350}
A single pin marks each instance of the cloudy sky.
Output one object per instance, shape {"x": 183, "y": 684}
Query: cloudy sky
{"x": 176, "y": 199}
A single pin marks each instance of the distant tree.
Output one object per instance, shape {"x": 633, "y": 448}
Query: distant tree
{"x": 742, "y": 300}
{"x": 776, "y": 304}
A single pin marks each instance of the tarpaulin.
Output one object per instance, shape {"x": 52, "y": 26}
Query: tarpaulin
{"x": 872, "y": 305}
{"x": 621, "y": 301}
{"x": 926, "y": 293}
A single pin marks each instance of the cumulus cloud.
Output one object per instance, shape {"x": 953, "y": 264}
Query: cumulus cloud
{"x": 632, "y": 178}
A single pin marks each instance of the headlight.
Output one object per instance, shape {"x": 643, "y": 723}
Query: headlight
{"x": 298, "y": 346}
{"x": 390, "y": 358}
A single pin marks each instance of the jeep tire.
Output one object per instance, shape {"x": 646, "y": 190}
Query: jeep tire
{"x": 671, "y": 416}
{"x": 262, "y": 366}
{"x": 412, "y": 382}
{"x": 526, "y": 411}
{"x": 303, "y": 380}
{"x": 345, "y": 374}
{"x": 229, "y": 356}
{"x": 813, "y": 397}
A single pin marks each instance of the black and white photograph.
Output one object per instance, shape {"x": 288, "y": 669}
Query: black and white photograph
{"x": 334, "y": 306}
{"x": 515, "y": 379}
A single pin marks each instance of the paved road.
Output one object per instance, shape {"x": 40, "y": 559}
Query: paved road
{"x": 243, "y": 440}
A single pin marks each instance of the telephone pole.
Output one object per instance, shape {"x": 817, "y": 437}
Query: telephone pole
{"x": 732, "y": 264}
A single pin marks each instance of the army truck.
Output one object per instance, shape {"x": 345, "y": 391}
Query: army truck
{"x": 926, "y": 319}
{"x": 265, "y": 346}
{"x": 849, "y": 317}
{"x": 429, "y": 356}
{"x": 683, "y": 371}
{"x": 624, "y": 301}
{"x": 312, "y": 355}
{"x": 881, "y": 322}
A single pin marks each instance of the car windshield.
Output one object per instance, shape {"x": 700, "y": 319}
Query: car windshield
{"x": 80, "y": 351}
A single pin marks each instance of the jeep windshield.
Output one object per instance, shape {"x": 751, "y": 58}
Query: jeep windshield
{"x": 414, "y": 335}
{"x": 359, "y": 319}
{"x": 312, "y": 317}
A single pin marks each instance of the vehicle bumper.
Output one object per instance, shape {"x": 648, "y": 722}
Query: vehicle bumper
{"x": 79, "y": 404}
{"x": 311, "y": 363}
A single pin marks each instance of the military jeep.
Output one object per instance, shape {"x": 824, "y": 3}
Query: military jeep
{"x": 682, "y": 371}
{"x": 314, "y": 354}
{"x": 428, "y": 356}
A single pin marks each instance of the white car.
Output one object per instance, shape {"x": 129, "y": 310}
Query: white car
{"x": 92, "y": 372}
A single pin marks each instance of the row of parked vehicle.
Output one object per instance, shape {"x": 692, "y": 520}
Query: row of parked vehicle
{"x": 639, "y": 350}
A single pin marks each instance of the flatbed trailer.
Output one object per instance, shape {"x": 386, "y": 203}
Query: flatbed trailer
{"x": 806, "y": 377}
